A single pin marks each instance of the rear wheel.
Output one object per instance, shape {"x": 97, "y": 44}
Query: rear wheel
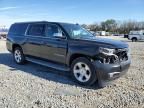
{"x": 134, "y": 39}
{"x": 83, "y": 71}
{"x": 18, "y": 56}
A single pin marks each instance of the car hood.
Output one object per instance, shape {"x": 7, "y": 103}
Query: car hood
{"x": 110, "y": 42}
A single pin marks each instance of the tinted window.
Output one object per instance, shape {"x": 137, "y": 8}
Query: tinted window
{"x": 18, "y": 29}
{"x": 143, "y": 33}
{"x": 53, "y": 29}
{"x": 36, "y": 30}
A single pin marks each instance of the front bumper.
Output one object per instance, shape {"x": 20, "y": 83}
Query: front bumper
{"x": 109, "y": 72}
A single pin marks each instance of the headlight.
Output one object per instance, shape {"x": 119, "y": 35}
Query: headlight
{"x": 106, "y": 51}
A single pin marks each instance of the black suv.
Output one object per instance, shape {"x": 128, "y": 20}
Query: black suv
{"x": 69, "y": 47}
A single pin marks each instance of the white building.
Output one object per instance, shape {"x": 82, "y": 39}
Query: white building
{"x": 101, "y": 33}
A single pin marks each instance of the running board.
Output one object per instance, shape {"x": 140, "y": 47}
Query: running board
{"x": 48, "y": 64}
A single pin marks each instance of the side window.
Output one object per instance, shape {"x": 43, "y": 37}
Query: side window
{"x": 36, "y": 30}
{"x": 143, "y": 33}
{"x": 53, "y": 29}
{"x": 18, "y": 29}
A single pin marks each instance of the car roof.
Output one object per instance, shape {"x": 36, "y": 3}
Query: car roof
{"x": 33, "y": 22}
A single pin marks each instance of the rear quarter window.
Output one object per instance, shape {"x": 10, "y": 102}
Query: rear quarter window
{"x": 18, "y": 29}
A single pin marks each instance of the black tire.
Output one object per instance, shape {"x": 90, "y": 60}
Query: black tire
{"x": 22, "y": 57}
{"x": 134, "y": 39}
{"x": 92, "y": 76}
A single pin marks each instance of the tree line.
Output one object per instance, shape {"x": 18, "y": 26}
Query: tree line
{"x": 113, "y": 26}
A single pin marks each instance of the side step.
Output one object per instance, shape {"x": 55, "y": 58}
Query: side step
{"x": 48, "y": 64}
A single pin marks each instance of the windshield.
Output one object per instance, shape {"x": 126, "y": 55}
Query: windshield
{"x": 76, "y": 31}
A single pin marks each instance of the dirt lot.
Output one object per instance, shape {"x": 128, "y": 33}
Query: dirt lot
{"x": 34, "y": 86}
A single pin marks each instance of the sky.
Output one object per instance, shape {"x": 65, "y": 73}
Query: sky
{"x": 73, "y": 11}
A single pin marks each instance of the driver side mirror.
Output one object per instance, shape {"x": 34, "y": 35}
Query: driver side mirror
{"x": 58, "y": 35}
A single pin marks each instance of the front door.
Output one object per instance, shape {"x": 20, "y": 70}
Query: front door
{"x": 54, "y": 48}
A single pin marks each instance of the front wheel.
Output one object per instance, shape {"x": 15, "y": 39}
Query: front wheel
{"x": 134, "y": 39}
{"x": 18, "y": 56}
{"x": 83, "y": 71}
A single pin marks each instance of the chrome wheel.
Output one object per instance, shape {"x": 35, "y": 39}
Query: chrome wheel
{"x": 17, "y": 56}
{"x": 82, "y": 72}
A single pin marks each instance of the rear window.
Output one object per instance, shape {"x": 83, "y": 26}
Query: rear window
{"x": 36, "y": 30}
{"x": 18, "y": 29}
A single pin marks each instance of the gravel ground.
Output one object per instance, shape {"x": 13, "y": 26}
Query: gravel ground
{"x": 34, "y": 86}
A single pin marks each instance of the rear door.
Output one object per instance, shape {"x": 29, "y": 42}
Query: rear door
{"x": 34, "y": 36}
{"x": 55, "y": 48}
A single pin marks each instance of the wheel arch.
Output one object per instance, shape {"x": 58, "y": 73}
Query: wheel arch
{"x": 15, "y": 46}
{"x": 134, "y": 38}
{"x": 77, "y": 55}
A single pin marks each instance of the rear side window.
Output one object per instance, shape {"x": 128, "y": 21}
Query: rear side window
{"x": 36, "y": 30}
{"x": 18, "y": 29}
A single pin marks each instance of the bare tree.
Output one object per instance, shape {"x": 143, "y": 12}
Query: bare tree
{"x": 111, "y": 25}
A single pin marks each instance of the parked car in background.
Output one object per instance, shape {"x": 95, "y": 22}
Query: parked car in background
{"x": 3, "y": 36}
{"x": 69, "y": 47}
{"x": 136, "y": 35}
{"x": 3, "y": 33}
{"x": 116, "y": 35}
{"x": 126, "y": 35}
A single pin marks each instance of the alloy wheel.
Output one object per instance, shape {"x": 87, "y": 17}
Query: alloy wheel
{"x": 82, "y": 72}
